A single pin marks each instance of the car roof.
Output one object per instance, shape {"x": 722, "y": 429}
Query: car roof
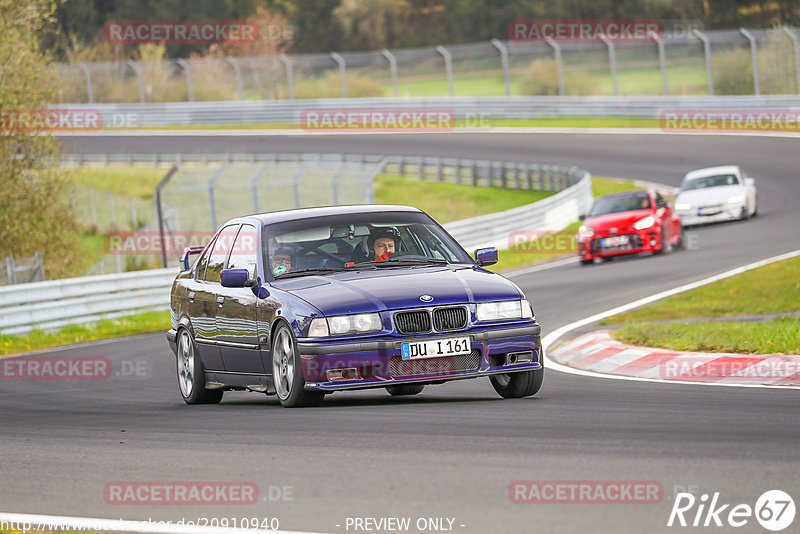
{"x": 712, "y": 171}
{"x": 310, "y": 213}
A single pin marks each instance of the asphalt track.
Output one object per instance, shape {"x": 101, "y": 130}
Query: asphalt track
{"x": 454, "y": 450}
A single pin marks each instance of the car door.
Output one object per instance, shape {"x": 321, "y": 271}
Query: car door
{"x": 207, "y": 299}
{"x": 237, "y": 328}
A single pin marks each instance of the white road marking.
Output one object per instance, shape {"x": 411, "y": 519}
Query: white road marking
{"x": 550, "y": 339}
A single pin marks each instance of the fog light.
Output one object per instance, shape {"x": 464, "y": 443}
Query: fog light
{"x": 348, "y": 373}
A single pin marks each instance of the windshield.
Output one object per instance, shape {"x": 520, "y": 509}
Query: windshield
{"x": 365, "y": 240}
{"x": 710, "y": 181}
{"x": 606, "y": 205}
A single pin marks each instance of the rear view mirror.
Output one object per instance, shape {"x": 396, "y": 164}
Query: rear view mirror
{"x": 582, "y": 216}
{"x": 486, "y": 256}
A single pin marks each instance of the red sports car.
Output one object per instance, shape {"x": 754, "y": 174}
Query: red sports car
{"x": 628, "y": 223}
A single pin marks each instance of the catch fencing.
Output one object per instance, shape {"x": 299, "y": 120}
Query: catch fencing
{"x": 689, "y": 62}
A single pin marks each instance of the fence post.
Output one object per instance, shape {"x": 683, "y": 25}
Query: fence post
{"x": 10, "y": 270}
{"x": 111, "y": 208}
{"x": 707, "y": 52}
{"x": 139, "y": 80}
{"x": 662, "y": 60}
{"x": 335, "y": 183}
{"x": 504, "y": 62}
{"x": 458, "y": 171}
{"x": 421, "y": 169}
{"x": 238, "y": 72}
{"x": 754, "y": 55}
{"x": 559, "y": 65}
{"x": 92, "y": 213}
{"x": 254, "y": 184}
{"x": 370, "y": 198}
{"x": 342, "y": 72}
{"x": 393, "y": 69}
{"x": 439, "y": 175}
{"x": 160, "y": 212}
{"x": 612, "y": 62}
{"x": 793, "y": 37}
{"x": 38, "y": 258}
{"x": 448, "y": 67}
{"x": 287, "y": 63}
{"x": 187, "y": 70}
{"x": 85, "y": 69}
{"x": 217, "y": 175}
{"x": 134, "y": 221}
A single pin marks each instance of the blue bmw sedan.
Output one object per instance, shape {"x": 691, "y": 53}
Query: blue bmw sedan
{"x": 302, "y": 303}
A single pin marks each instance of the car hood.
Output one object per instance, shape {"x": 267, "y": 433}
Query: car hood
{"x": 396, "y": 288}
{"x": 709, "y": 195}
{"x": 622, "y": 220}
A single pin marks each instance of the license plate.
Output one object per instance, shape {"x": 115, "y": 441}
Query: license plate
{"x": 615, "y": 241}
{"x": 435, "y": 348}
{"x": 708, "y": 211}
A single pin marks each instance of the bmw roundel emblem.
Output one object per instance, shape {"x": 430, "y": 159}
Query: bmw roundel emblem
{"x": 426, "y": 298}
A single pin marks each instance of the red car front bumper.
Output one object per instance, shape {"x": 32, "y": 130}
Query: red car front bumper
{"x": 605, "y": 245}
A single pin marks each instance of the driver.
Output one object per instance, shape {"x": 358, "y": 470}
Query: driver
{"x": 381, "y": 243}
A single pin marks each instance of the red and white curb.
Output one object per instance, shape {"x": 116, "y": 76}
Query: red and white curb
{"x": 598, "y": 352}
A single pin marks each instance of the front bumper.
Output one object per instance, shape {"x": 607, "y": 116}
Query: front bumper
{"x": 712, "y": 214}
{"x": 379, "y": 363}
{"x": 647, "y": 240}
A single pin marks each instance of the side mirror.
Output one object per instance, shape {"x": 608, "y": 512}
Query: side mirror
{"x": 235, "y": 278}
{"x": 749, "y": 181}
{"x": 582, "y": 217}
{"x": 486, "y": 256}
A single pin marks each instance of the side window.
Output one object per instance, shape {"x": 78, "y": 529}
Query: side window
{"x": 243, "y": 255}
{"x": 219, "y": 254}
{"x": 203, "y": 263}
{"x": 660, "y": 202}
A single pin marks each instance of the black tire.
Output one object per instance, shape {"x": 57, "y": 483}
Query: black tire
{"x": 587, "y": 262}
{"x": 744, "y": 215}
{"x": 192, "y": 374}
{"x": 518, "y": 385}
{"x": 405, "y": 389}
{"x": 663, "y": 246}
{"x": 287, "y": 374}
{"x": 679, "y": 244}
{"x": 755, "y": 208}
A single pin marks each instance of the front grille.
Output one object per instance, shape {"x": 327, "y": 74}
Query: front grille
{"x": 449, "y": 318}
{"x": 413, "y": 322}
{"x": 634, "y": 242}
{"x": 398, "y": 367}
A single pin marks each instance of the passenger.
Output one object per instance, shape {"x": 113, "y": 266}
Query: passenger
{"x": 282, "y": 260}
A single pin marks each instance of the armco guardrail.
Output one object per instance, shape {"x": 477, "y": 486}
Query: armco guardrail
{"x": 474, "y": 111}
{"x": 57, "y": 303}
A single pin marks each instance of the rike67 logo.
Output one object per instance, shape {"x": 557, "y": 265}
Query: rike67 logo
{"x": 774, "y": 510}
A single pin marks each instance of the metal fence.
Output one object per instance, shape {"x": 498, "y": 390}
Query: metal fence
{"x": 22, "y": 270}
{"x": 734, "y": 62}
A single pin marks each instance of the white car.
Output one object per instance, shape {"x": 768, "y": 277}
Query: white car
{"x": 716, "y": 194}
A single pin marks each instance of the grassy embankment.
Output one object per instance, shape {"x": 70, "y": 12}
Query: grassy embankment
{"x": 772, "y": 289}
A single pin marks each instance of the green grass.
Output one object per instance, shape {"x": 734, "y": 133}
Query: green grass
{"x": 779, "y": 336}
{"x": 773, "y": 288}
{"x": 529, "y": 250}
{"x": 451, "y": 202}
{"x": 130, "y": 325}
{"x": 133, "y": 181}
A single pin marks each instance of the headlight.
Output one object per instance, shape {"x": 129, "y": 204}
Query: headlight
{"x": 584, "y": 232}
{"x": 681, "y": 206}
{"x": 345, "y": 324}
{"x": 502, "y": 310}
{"x": 738, "y": 199}
{"x": 647, "y": 222}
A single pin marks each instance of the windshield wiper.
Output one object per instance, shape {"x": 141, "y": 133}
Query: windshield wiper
{"x": 316, "y": 270}
{"x": 403, "y": 261}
